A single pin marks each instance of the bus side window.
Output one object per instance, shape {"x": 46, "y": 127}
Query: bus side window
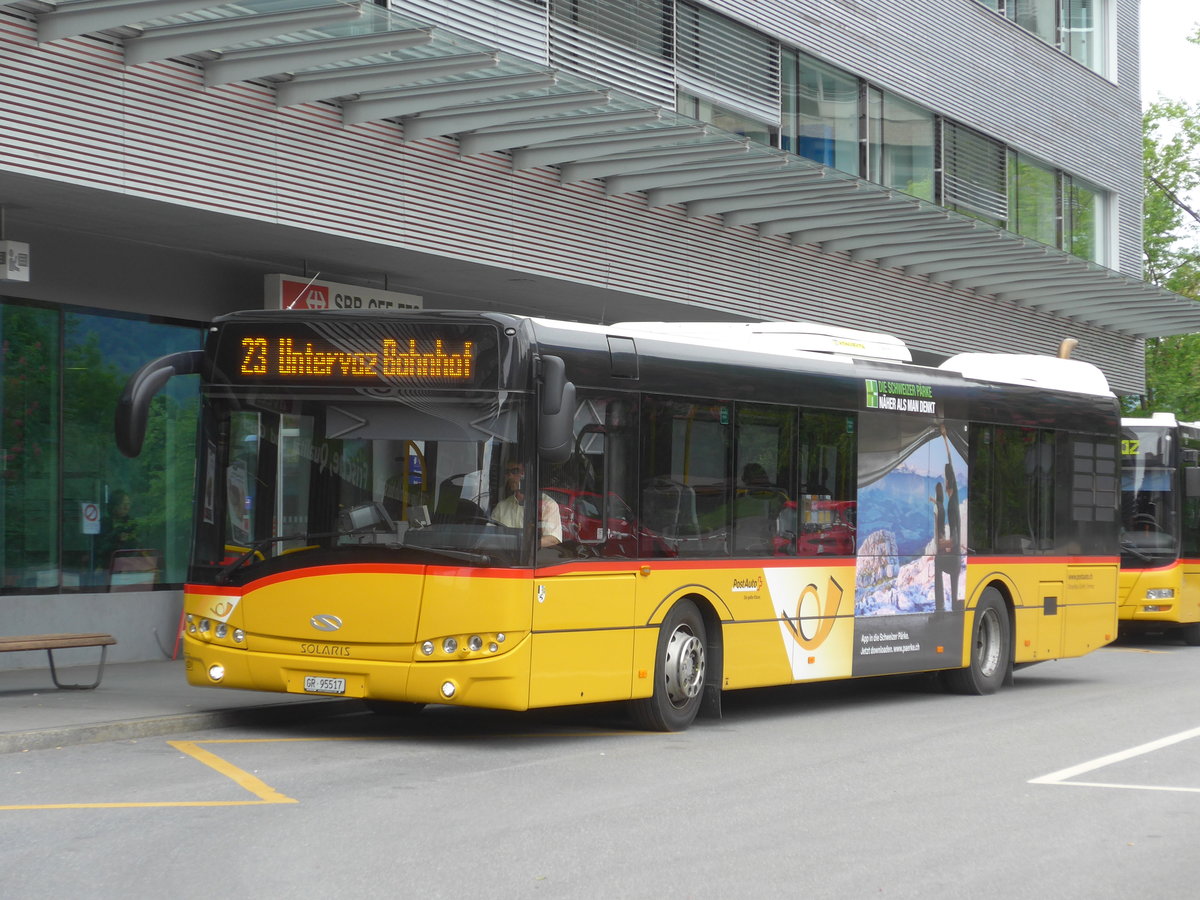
{"x": 980, "y": 489}
{"x": 686, "y": 479}
{"x": 1023, "y": 490}
{"x": 766, "y": 441}
{"x": 824, "y": 514}
{"x": 591, "y": 487}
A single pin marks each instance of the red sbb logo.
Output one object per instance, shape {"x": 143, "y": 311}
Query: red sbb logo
{"x": 299, "y": 295}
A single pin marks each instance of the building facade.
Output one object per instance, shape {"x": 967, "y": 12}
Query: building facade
{"x": 964, "y": 175}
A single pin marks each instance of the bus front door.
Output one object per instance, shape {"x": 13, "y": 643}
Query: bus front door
{"x": 582, "y": 638}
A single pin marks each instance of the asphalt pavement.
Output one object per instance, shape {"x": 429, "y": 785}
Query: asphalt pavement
{"x": 134, "y": 700}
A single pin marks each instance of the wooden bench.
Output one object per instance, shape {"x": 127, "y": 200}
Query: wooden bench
{"x": 52, "y": 642}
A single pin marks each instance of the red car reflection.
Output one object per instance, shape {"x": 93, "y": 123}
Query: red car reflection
{"x": 817, "y": 527}
{"x": 621, "y": 535}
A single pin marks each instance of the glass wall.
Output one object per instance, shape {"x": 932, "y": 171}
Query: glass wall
{"x": 76, "y": 514}
{"x": 30, "y": 370}
{"x": 911, "y": 149}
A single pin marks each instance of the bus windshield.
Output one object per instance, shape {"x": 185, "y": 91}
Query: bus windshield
{"x": 315, "y": 480}
{"x": 1148, "y": 512}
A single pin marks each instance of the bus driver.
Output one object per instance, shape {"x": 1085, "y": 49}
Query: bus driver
{"x": 510, "y": 510}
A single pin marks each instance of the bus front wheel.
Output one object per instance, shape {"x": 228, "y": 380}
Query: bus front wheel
{"x": 679, "y": 668}
{"x": 991, "y": 649}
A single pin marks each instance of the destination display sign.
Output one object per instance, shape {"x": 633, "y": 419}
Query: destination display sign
{"x": 344, "y": 353}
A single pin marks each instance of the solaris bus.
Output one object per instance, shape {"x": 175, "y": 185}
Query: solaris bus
{"x": 498, "y": 511}
{"x": 1160, "y": 526}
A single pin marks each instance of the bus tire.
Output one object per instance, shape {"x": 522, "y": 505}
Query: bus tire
{"x": 679, "y": 669}
{"x": 397, "y": 709}
{"x": 991, "y": 649}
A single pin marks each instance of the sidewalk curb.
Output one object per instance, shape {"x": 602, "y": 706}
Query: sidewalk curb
{"x": 156, "y": 726}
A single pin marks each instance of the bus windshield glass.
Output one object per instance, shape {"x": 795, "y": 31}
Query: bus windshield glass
{"x": 1148, "y": 501}
{"x": 316, "y": 480}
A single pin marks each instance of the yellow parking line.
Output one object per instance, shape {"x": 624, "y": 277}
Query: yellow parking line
{"x": 260, "y": 789}
{"x": 1113, "y": 649}
{"x": 266, "y": 794}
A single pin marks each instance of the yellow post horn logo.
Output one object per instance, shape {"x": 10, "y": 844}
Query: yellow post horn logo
{"x": 811, "y": 625}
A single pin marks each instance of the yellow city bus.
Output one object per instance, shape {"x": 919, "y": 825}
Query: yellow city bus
{"x": 1160, "y": 526}
{"x": 497, "y": 511}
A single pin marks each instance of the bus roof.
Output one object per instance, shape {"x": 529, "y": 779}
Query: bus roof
{"x": 1160, "y": 419}
{"x": 824, "y": 341}
{"x": 1049, "y": 372}
{"x": 786, "y": 338}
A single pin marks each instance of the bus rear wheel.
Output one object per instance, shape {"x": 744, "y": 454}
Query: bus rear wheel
{"x": 991, "y": 649}
{"x": 680, "y": 663}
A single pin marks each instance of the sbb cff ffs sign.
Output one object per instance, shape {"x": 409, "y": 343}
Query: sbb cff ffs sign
{"x": 288, "y": 292}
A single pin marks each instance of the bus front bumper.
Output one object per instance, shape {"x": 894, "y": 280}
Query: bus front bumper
{"x": 498, "y": 682}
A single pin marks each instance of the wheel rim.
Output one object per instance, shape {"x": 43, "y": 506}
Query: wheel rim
{"x": 987, "y": 642}
{"x": 684, "y": 666}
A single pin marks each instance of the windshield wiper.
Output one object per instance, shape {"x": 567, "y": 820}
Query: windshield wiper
{"x": 1128, "y": 546}
{"x": 462, "y": 555}
{"x": 224, "y": 575}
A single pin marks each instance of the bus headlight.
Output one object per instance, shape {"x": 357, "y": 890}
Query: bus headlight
{"x": 449, "y": 645}
{"x": 427, "y": 648}
{"x": 448, "y": 689}
{"x": 1160, "y": 594}
{"x": 216, "y": 672}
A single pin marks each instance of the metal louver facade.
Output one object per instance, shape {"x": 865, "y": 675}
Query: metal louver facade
{"x": 974, "y": 173}
{"x": 513, "y": 26}
{"x": 628, "y": 44}
{"x": 727, "y": 63}
{"x": 413, "y": 146}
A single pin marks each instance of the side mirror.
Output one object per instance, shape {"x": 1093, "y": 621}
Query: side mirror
{"x": 556, "y": 417}
{"x": 133, "y": 407}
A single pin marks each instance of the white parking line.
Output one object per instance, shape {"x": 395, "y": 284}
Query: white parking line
{"x": 1062, "y": 775}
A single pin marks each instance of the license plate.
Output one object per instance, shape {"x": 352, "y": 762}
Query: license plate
{"x": 319, "y": 684}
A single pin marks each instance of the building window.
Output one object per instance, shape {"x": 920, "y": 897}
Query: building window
{"x": 900, "y": 144}
{"x": 1084, "y": 218}
{"x": 76, "y": 515}
{"x": 1033, "y": 192}
{"x": 726, "y": 119}
{"x": 1082, "y": 33}
{"x": 1076, "y": 27}
{"x": 820, "y": 112}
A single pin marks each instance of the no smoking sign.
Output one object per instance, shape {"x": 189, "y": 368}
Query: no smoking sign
{"x": 90, "y": 513}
